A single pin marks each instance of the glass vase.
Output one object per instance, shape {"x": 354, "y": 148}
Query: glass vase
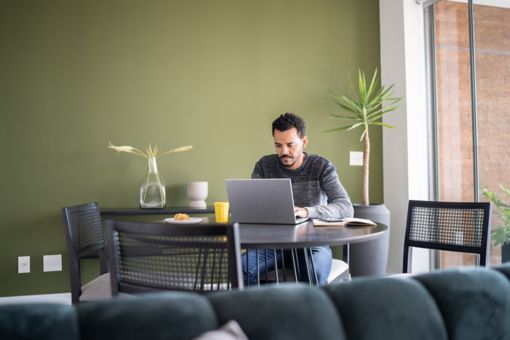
{"x": 152, "y": 188}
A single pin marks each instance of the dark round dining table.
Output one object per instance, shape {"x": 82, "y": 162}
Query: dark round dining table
{"x": 276, "y": 236}
{"x": 282, "y": 236}
{"x": 305, "y": 235}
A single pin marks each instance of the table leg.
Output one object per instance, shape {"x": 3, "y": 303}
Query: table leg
{"x": 346, "y": 253}
{"x": 314, "y": 276}
{"x": 309, "y": 270}
{"x": 294, "y": 263}
{"x": 283, "y": 265}
{"x": 275, "y": 266}
{"x": 258, "y": 266}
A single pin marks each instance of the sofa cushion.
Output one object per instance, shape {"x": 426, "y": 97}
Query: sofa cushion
{"x": 155, "y": 316}
{"x": 287, "y": 311}
{"x": 389, "y": 308}
{"x": 474, "y": 303}
{"x": 38, "y": 321}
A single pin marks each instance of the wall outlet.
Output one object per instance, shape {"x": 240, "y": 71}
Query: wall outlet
{"x": 52, "y": 263}
{"x": 23, "y": 264}
{"x": 356, "y": 158}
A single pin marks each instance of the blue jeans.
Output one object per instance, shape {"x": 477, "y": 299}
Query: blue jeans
{"x": 268, "y": 257}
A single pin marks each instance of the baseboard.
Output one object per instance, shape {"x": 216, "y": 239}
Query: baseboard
{"x": 63, "y": 298}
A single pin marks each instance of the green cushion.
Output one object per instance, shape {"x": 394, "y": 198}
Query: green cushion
{"x": 387, "y": 308}
{"x": 41, "y": 321}
{"x": 155, "y": 316}
{"x": 474, "y": 303}
{"x": 287, "y": 311}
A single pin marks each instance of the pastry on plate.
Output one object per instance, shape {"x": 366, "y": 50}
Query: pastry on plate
{"x": 181, "y": 217}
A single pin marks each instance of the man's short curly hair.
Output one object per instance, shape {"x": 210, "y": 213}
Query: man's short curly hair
{"x": 288, "y": 121}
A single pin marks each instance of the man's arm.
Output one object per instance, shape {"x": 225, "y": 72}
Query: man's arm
{"x": 257, "y": 170}
{"x": 339, "y": 204}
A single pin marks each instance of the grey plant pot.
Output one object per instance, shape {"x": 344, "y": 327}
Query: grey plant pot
{"x": 505, "y": 253}
{"x": 370, "y": 258}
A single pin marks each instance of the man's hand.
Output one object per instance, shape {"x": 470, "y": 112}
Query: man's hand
{"x": 300, "y": 212}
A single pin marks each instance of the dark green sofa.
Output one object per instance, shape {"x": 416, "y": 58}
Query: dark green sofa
{"x": 451, "y": 304}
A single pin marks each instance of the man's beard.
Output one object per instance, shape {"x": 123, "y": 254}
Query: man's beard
{"x": 287, "y": 165}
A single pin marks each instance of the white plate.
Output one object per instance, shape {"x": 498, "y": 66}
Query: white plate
{"x": 191, "y": 220}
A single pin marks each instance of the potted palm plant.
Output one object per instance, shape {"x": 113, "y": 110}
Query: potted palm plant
{"x": 361, "y": 109}
{"x": 501, "y": 234}
{"x": 365, "y": 108}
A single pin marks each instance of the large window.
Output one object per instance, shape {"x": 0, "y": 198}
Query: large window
{"x": 492, "y": 55}
{"x": 472, "y": 97}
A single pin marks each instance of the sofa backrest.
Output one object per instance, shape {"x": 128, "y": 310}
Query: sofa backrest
{"x": 452, "y": 304}
{"x": 285, "y": 312}
{"x": 474, "y": 304}
{"x": 396, "y": 307}
{"x": 155, "y": 316}
{"x": 36, "y": 321}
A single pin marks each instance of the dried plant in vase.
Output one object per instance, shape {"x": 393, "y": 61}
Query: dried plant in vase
{"x": 152, "y": 189}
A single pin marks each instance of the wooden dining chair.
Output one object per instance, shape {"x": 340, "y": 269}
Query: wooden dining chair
{"x": 85, "y": 240}
{"x": 148, "y": 256}
{"x": 451, "y": 226}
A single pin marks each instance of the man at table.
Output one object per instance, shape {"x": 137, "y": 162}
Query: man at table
{"x": 317, "y": 191}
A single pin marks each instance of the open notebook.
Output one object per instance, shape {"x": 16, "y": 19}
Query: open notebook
{"x": 345, "y": 222}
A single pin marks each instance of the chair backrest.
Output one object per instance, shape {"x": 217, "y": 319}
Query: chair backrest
{"x": 85, "y": 239}
{"x": 161, "y": 256}
{"x": 452, "y": 226}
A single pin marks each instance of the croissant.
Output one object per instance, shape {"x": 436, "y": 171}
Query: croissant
{"x": 181, "y": 217}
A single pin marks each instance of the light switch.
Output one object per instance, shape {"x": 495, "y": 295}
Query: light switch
{"x": 23, "y": 264}
{"x": 356, "y": 158}
{"x": 52, "y": 263}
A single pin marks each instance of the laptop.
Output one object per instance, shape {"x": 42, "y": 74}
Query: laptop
{"x": 264, "y": 200}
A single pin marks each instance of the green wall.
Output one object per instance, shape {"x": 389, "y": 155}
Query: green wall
{"x": 75, "y": 75}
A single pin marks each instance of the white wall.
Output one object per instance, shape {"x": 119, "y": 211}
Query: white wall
{"x": 405, "y": 153}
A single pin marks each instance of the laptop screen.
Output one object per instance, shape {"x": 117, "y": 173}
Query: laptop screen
{"x": 261, "y": 200}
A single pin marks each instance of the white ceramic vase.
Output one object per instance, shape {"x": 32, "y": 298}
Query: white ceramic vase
{"x": 197, "y": 193}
